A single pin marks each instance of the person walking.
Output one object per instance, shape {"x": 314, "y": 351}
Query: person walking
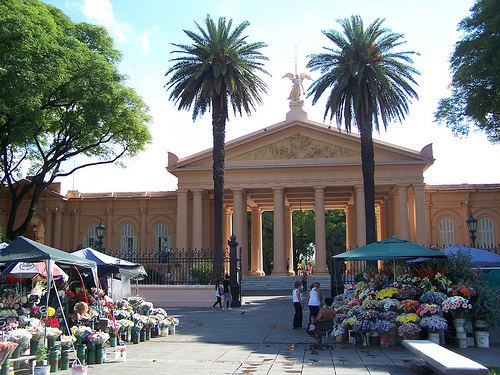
{"x": 314, "y": 301}
{"x": 226, "y": 286}
{"x": 303, "y": 279}
{"x": 297, "y": 304}
{"x": 218, "y": 295}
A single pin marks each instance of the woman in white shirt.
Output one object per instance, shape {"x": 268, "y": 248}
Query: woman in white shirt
{"x": 314, "y": 301}
{"x": 297, "y": 304}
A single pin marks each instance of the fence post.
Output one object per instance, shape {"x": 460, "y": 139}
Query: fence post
{"x": 233, "y": 271}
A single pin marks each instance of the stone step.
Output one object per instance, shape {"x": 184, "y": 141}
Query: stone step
{"x": 278, "y": 285}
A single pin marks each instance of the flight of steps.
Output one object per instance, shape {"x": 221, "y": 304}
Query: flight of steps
{"x": 279, "y": 285}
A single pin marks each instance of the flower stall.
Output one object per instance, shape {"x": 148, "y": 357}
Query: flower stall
{"x": 33, "y": 323}
{"x": 422, "y": 300}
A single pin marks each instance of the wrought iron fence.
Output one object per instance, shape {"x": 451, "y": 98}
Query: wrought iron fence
{"x": 175, "y": 266}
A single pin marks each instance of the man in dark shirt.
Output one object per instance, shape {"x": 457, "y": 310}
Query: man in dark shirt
{"x": 228, "y": 298}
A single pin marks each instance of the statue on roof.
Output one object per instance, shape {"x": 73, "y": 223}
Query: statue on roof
{"x": 297, "y": 85}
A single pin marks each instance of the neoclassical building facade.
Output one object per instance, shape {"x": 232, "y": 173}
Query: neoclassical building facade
{"x": 291, "y": 165}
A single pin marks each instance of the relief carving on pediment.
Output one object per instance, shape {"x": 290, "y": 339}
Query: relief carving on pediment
{"x": 298, "y": 147}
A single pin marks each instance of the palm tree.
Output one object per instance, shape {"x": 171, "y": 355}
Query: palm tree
{"x": 369, "y": 83}
{"x": 218, "y": 69}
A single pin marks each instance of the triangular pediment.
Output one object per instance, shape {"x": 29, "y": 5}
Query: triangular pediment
{"x": 298, "y": 146}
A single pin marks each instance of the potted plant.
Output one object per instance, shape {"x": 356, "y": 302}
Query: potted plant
{"x": 41, "y": 366}
{"x": 485, "y": 312}
{"x": 410, "y": 331}
{"x": 433, "y": 324}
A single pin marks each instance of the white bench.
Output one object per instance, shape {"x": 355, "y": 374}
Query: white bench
{"x": 442, "y": 360}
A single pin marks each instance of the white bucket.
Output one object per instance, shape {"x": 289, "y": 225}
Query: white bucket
{"x": 121, "y": 353}
{"x": 164, "y": 331}
{"x": 79, "y": 370}
{"x": 482, "y": 339}
{"x": 461, "y": 335}
{"x": 41, "y": 370}
{"x": 171, "y": 330}
{"x": 462, "y": 343}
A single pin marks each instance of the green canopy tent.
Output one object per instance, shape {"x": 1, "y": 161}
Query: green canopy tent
{"x": 391, "y": 248}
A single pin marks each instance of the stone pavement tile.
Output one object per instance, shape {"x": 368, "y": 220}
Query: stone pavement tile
{"x": 351, "y": 370}
{"x": 388, "y": 370}
{"x": 374, "y": 357}
{"x": 318, "y": 368}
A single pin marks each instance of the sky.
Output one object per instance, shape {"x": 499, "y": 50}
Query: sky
{"x": 144, "y": 32}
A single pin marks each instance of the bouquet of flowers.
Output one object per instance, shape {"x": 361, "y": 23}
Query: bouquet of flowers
{"x": 6, "y": 348}
{"x": 363, "y": 325}
{"x": 173, "y": 321}
{"x": 342, "y": 309}
{"x": 369, "y": 303}
{"x": 409, "y": 305}
{"x": 20, "y": 336}
{"x": 52, "y": 332}
{"x": 370, "y": 314}
{"x": 339, "y": 318}
{"x": 383, "y": 325}
{"x": 407, "y": 280}
{"x": 433, "y": 323}
{"x": 125, "y": 324}
{"x": 135, "y": 301}
{"x": 408, "y": 318}
{"x": 356, "y": 311}
{"x": 145, "y": 308}
{"x": 409, "y": 329}
{"x": 122, "y": 314}
{"x": 80, "y": 332}
{"x": 67, "y": 341}
{"x": 377, "y": 281}
{"x": 387, "y": 293}
{"x": 353, "y": 301}
{"x": 388, "y": 315}
{"x": 408, "y": 292}
{"x": 165, "y": 323}
{"x": 51, "y": 321}
{"x": 140, "y": 320}
{"x": 463, "y": 291}
{"x": 12, "y": 323}
{"x": 350, "y": 322}
{"x": 158, "y": 311}
{"x": 360, "y": 287}
{"x": 428, "y": 309}
{"x": 433, "y": 297}
{"x": 388, "y": 304}
{"x": 98, "y": 338}
{"x": 367, "y": 293}
{"x": 37, "y": 332}
{"x": 455, "y": 304}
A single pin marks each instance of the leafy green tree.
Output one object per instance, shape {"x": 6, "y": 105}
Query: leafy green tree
{"x": 369, "y": 83}
{"x": 475, "y": 68}
{"x": 219, "y": 69}
{"x": 61, "y": 96}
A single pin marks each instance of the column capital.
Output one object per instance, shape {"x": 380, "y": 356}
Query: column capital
{"x": 197, "y": 191}
{"x": 359, "y": 187}
{"x": 418, "y": 186}
{"x": 278, "y": 188}
{"x": 402, "y": 186}
{"x": 237, "y": 189}
{"x": 319, "y": 188}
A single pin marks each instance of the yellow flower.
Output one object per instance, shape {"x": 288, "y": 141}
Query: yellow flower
{"x": 387, "y": 293}
{"x": 51, "y": 311}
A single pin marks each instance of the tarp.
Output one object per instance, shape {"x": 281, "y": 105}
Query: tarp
{"x": 478, "y": 257}
{"x": 390, "y": 249}
{"x": 22, "y": 270}
{"x": 111, "y": 264}
{"x": 23, "y": 249}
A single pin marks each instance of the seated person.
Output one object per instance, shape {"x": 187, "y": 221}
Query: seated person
{"x": 81, "y": 313}
{"x": 326, "y": 313}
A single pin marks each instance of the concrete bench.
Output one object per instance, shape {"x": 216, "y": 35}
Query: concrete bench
{"x": 442, "y": 360}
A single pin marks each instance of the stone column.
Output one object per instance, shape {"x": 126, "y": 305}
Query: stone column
{"x": 109, "y": 234}
{"x": 182, "y": 220}
{"x": 319, "y": 229}
{"x": 238, "y": 210}
{"x": 289, "y": 240}
{"x": 76, "y": 229}
{"x": 279, "y": 267}
{"x": 197, "y": 219}
{"x": 57, "y": 228}
{"x": 359, "y": 201}
{"x": 383, "y": 220}
{"x": 420, "y": 228}
{"x": 350, "y": 225}
{"x": 256, "y": 242}
{"x": 404, "y": 226}
{"x": 228, "y": 230}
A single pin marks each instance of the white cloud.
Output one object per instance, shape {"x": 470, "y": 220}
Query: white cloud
{"x": 101, "y": 11}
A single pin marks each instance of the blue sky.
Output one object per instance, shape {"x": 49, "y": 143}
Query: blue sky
{"x": 144, "y": 30}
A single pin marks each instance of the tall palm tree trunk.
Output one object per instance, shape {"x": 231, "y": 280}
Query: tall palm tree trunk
{"x": 219, "y": 116}
{"x": 368, "y": 169}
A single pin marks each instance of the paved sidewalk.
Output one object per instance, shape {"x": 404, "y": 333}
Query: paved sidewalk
{"x": 261, "y": 341}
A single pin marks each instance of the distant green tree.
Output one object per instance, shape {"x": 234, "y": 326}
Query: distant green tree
{"x": 475, "y": 68}
{"x": 369, "y": 83}
{"x": 61, "y": 96}
{"x": 218, "y": 70}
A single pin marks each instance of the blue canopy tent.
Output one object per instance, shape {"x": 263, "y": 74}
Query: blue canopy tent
{"x": 478, "y": 257}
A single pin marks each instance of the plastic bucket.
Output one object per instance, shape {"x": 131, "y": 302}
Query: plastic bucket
{"x": 79, "y": 370}
{"x": 434, "y": 337}
{"x": 482, "y": 339}
{"x": 121, "y": 353}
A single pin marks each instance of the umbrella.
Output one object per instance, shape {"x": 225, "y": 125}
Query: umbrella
{"x": 478, "y": 257}
{"x": 390, "y": 249}
{"x": 22, "y": 270}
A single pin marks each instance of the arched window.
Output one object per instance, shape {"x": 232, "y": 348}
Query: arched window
{"x": 446, "y": 232}
{"x": 485, "y": 232}
{"x": 161, "y": 240}
{"x": 128, "y": 240}
{"x": 91, "y": 238}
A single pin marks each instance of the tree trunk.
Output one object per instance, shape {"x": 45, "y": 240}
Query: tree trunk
{"x": 219, "y": 115}
{"x": 368, "y": 168}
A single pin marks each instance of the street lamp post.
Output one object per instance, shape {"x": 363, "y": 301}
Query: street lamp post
{"x": 472, "y": 226}
{"x": 100, "y": 229}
